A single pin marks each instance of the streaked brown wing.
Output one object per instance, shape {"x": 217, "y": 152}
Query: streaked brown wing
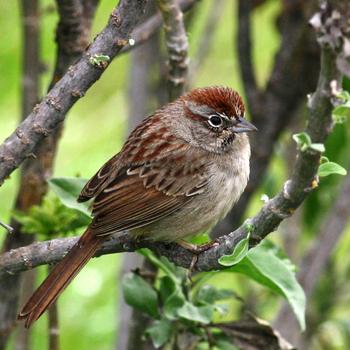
{"x": 100, "y": 180}
{"x": 143, "y": 194}
{"x": 127, "y": 204}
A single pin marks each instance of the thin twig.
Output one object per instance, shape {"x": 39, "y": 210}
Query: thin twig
{"x": 177, "y": 45}
{"x": 7, "y": 227}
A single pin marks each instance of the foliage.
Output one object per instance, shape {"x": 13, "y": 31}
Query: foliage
{"x": 239, "y": 252}
{"x": 304, "y": 143}
{"x": 328, "y": 168}
{"x": 58, "y": 215}
{"x": 67, "y": 190}
{"x": 180, "y": 307}
{"x": 341, "y": 113}
{"x": 51, "y": 219}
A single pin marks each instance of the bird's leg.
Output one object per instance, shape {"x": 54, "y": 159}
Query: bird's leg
{"x": 196, "y": 250}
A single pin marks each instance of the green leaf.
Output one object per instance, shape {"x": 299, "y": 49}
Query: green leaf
{"x": 319, "y": 147}
{"x": 202, "y": 314}
{"x": 160, "y": 332}
{"x": 208, "y": 294}
{"x": 51, "y": 218}
{"x": 341, "y": 113}
{"x": 163, "y": 264}
{"x": 304, "y": 142}
{"x": 171, "y": 296}
{"x": 67, "y": 190}
{"x": 140, "y": 294}
{"x": 239, "y": 252}
{"x": 167, "y": 287}
{"x": 329, "y": 168}
{"x": 173, "y": 304}
{"x": 343, "y": 96}
{"x": 266, "y": 267}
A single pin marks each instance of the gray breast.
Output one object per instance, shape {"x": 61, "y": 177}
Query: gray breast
{"x": 228, "y": 176}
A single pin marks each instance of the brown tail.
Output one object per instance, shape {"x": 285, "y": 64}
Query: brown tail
{"x": 59, "y": 278}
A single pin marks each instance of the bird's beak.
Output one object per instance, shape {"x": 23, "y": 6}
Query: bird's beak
{"x": 243, "y": 125}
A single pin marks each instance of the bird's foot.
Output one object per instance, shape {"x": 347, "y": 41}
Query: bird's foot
{"x": 196, "y": 250}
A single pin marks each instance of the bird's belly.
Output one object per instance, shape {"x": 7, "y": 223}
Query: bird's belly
{"x": 200, "y": 213}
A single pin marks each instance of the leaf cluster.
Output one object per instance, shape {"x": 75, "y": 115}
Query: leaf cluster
{"x": 179, "y": 307}
{"x": 57, "y": 215}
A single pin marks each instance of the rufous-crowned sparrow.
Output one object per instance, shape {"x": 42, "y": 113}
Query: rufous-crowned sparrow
{"x": 179, "y": 172}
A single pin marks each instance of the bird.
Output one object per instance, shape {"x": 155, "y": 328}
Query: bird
{"x": 179, "y": 172}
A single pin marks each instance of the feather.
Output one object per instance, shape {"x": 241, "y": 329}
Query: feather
{"x": 60, "y": 277}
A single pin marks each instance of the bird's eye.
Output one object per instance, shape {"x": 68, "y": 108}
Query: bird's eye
{"x": 215, "y": 121}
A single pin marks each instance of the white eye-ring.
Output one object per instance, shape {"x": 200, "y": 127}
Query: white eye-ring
{"x": 215, "y": 121}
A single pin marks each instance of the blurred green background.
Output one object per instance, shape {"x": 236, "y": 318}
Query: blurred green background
{"x": 95, "y": 129}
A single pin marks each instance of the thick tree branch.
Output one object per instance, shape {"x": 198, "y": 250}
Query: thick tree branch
{"x": 73, "y": 85}
{"x": 177, "y": 45}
